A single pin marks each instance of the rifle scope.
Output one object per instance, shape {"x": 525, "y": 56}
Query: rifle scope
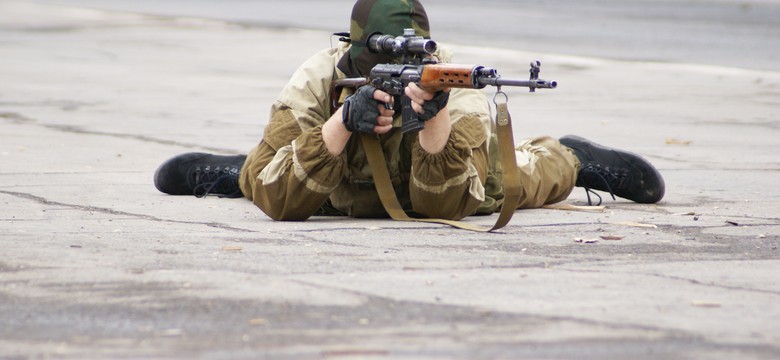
{"x": 407, "y": 44}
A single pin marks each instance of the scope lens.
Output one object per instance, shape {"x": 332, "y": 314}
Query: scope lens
{"x": 429, "y": 47}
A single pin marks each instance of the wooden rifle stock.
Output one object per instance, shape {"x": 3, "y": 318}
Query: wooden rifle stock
{"x": 437, "y": 77}
{"x": 338, "y": 85}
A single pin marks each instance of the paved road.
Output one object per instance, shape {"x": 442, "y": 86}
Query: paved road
{"x": 729, "y": 33}
{"x": 95, "y": 263}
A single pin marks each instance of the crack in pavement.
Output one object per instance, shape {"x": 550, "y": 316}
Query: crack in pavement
{"x": 21, "y": 119}
{"x": 677, "y": 278}
{"x": 550, "y": 318}
{"x": 108, "y": 211}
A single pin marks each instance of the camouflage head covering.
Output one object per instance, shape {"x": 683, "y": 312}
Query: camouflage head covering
{"x": 388, "y": 17}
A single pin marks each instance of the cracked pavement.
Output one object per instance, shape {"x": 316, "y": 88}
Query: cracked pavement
{"x": 95, "y": 263}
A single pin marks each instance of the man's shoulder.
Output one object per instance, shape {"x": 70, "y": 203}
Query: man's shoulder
{"x": 317, "y": 71}
{"x": 307, "y": 91}
{"x": 324, "y": 61}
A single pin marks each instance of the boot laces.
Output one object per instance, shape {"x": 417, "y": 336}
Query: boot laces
{"x": 219, "y": 180}
{"x": 594, "y": 175}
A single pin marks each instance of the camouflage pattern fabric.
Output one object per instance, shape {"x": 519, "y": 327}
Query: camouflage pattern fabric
{"x": 388, "y": 17}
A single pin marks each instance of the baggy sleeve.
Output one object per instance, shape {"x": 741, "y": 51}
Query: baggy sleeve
{"x": 290, "y": 174}
{"x": 450, "y": 183}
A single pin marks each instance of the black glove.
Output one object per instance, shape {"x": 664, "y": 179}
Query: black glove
{"x": 360, "y": 111}
{"x": 433, "y": 106}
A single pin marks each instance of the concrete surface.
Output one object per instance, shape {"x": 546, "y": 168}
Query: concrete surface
{"x": 740, "y": 33}
{"x": 95, "y": 263}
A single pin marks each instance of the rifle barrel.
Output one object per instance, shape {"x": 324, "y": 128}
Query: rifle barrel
{"x": 533, "y": 84}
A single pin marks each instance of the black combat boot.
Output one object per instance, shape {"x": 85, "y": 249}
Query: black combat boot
{"x": 200, "y": 174}
{"x": 619, "y": 172}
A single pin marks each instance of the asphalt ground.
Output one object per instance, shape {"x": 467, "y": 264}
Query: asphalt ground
{"x": 734, "y": 33}
{"x": 95, "y": 263}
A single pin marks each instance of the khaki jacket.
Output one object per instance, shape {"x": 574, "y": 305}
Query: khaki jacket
{"x": 290, "y": 174}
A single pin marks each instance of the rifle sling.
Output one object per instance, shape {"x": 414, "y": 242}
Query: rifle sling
{"x": 511, "y": 177}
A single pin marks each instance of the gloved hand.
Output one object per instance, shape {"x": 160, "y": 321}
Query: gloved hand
{"x": 433, "y": 106}
{"x": 360, "y": 111}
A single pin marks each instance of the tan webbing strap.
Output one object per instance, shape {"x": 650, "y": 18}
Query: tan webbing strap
{"x": 511, "y": 179}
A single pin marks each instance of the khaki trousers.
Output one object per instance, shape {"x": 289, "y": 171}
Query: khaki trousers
{"x": 548, "y": 171}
